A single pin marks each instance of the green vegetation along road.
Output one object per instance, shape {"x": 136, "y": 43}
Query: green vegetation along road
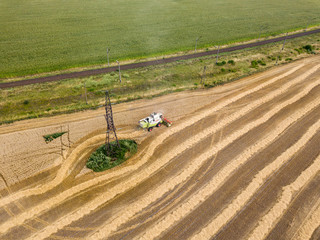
{"x": 39, "y": 36}
{"x": 65, "y": 96}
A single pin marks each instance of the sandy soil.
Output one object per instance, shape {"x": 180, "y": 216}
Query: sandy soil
{"x": 241, "y": 161}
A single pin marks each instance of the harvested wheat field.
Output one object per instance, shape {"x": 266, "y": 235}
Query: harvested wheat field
{"x": 241, "y": 161}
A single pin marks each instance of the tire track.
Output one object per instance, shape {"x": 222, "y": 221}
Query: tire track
{"x": 305, "y": 202}
{"x": 306, "y": 91}
{"x": 255, "y": 104}
{"x": 270, "y": 219}
{"x": 44, "y": 206}
{"x": 194, "y": 166}
{"x": 218, "y": 179}
{"x": 196, "y": 138}
{"x": 259, "y": 179}
{"x": 310, "y": 225}
{"x": 62, "y": 173}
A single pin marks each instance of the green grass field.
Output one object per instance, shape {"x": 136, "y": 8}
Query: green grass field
{"x": 40, "y": 36}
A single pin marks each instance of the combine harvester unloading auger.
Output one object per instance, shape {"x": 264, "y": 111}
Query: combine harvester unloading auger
{"x": 154, "y": 120}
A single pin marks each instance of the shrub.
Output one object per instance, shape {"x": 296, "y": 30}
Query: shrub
{"x": 288, "y": 59}
{"x": 298, "y": 50}
{"x": 221, "y": 63}
{"x": 50, "y": 137}
{"x": 26, "y": 102}
{"x": 223, "y": 70}
{"x": 308, "y": 48}
{"x": 254, "y": 64}
{"x": 231, "y": 62}
{"x": 99, "y": 161}
{"x": 261, "y": 62}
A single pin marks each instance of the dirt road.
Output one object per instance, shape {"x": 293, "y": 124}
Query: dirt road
{"x": 241, "y": 161}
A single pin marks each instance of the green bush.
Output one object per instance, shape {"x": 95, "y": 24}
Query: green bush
{"x": 99, "y": 161}
{"x": 223, "y": 70}
{"x": 221, "y": 63}
{"x": 231, "y": 62}
{"x": 288, "y": 59}
{"x": 26, "y": 102}
{"x": 50, "y": 137}
{"x": 261, "y": 62}
{"x": 308, "y": 48}
{"x": 254, "y": 64}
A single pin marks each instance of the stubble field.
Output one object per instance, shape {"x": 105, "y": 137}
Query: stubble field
{"x": 240, "y": 162}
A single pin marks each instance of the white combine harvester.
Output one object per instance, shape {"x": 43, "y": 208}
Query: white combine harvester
{"x": 154, "y": 120}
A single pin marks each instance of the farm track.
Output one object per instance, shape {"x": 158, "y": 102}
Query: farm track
{"x": 245, "y": 166}
{"x": 92, "y": 72}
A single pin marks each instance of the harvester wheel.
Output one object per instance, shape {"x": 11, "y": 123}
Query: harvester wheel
{"x": 158, "y": 125}
{"x": 149, "y": 129}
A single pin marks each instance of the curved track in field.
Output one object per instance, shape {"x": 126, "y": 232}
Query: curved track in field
{"x": 246, "y": 166}
{"x": 92, "y": 72}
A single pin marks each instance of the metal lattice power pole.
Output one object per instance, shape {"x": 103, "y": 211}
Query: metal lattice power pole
{"x": 111, "y": 130}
